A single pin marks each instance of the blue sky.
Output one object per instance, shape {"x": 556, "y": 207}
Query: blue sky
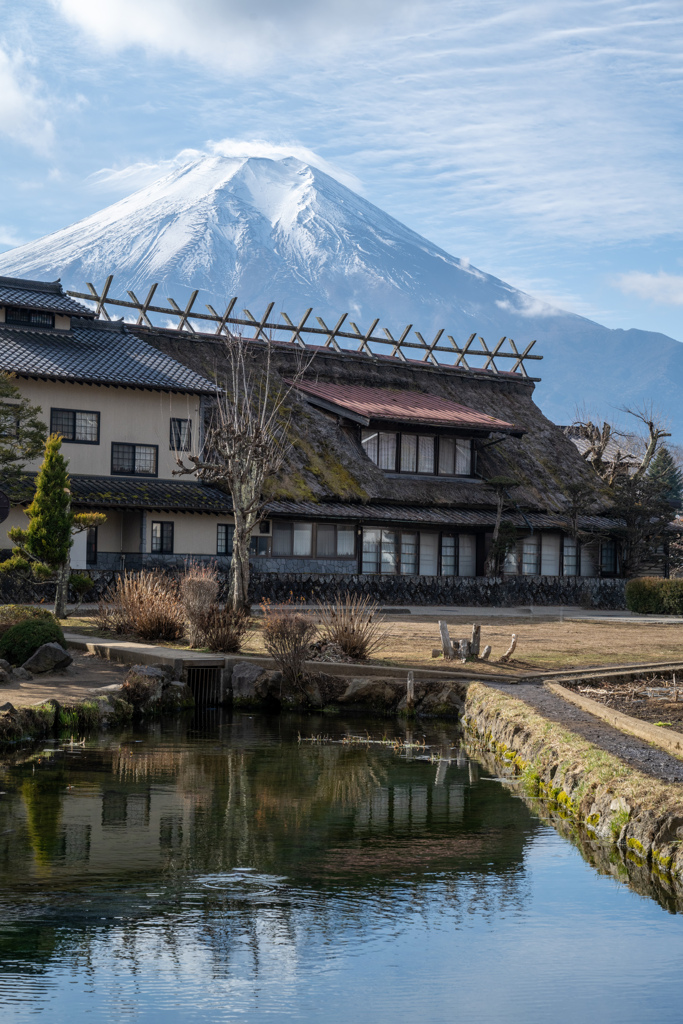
{"x": 542, "y": 140}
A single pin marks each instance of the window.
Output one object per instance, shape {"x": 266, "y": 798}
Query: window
{"x": 409, "y": 453}
{"x": 319, "y": 540}
{"x": 418, "y": 453}
{"x": 134, "y": 459}
{"x": 303, "y": 539}
{"x": 387, "y": 451}
{"x": 531, "y": 551}
{"x": 28, "y": 317}
{"x": 409, "y": 553}
{"x": 76, "y": 425}
{"x": 162, "y": 538}
{"x": 181, "y": 435}
{"x": 91, "y": 546}
{"x": 259, "y": 546}
{"x": 570, "y": 557}
{"x": 325, "y": 543}
{"x": 449, "y": 560}
{"x": 225, "y": 533}
{"x": 608, "y": 557}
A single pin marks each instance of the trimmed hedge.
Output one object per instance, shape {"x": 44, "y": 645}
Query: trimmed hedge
{"x": 651, "y": 595}
{"x": 24, "y": 639}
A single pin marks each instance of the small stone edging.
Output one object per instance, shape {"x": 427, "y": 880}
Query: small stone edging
{"x": 667, "y": 739}
{"x": 604, "y": 797}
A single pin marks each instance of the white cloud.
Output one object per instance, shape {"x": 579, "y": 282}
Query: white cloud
{"x": 9, "y": 237}
{"x": 23, "y": 108}
{"x": 121, "y": 181}
{"x": 661, "y": 288}
{"x": 232, "y": 36}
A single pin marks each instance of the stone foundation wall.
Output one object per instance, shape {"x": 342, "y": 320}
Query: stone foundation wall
{"x": 477, "y": 591}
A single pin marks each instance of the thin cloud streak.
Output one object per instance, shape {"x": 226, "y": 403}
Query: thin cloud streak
{"x": 662, "y": 288}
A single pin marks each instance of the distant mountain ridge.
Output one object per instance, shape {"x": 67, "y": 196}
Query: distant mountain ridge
{"x": 283, "y": 231}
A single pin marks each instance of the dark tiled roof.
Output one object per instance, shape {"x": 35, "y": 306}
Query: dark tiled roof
{"x": 104, "y": 492}
{"x": 95, "y": 352}
{"x": 47, "y": 295}
{"x": 400, "y": 406}
{"x": 375, "y": 513}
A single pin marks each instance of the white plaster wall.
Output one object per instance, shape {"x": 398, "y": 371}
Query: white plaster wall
{"x": 128, "y": 415}
{"x": 193, "y": 534}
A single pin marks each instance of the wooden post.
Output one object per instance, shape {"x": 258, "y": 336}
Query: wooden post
{"x": 475, "y": 641}
{"x": 486, "y": 653}
{"x": 474, "y": 772}
{"x": 446, "y": 643}
{"x": 464, "y": 650}
{"x": 410, "y": 691}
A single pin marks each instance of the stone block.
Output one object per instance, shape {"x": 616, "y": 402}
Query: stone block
{"x": 22, "y": 673}
{"x": 245, "y": 676}
{"x": 48, "y": 658}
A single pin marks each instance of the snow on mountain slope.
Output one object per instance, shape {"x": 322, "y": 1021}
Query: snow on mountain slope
{"x": 280, "y": 230}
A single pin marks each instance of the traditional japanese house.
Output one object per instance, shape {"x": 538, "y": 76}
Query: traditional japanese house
{"x": 394, "y": 459}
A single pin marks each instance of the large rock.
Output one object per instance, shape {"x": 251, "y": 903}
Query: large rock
{"x": 443, "y": 702}
{"x": 5, "y": 678}
{"x": 48, "y": 658}
{"x": 5, "y": 665}
{"x": 245, "y": 677}
{"x": 176, "y": 696}
{"x": 143, "y": 687}
{"x": 376, "y": 693}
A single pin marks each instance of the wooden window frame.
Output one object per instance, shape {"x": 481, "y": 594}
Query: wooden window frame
{"x": 129, "y": 444}
{"x": 436, "y": 437}
{"x": 31, "y": 319}
{"x": 314, "y": 539}
{"x": 73, "y": 413}
{"x": 177, "y": 448}
{"x": 228, "y": 527}
{"x": 162, "y": 549}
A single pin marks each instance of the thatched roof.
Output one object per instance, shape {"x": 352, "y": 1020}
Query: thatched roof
{"x": 328, "y": 462}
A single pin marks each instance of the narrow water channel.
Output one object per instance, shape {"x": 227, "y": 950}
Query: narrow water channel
{"x": 221, "y": 870}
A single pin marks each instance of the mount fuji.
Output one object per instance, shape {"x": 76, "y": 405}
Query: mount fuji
{"x": 284, "y": 231}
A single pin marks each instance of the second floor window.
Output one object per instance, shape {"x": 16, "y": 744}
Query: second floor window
{"x": 76, "y": 425}
{"x": 134, "y": 459}
{"x": 29, "y": 317}
{"x": 181, "y": 435}
{"x": 427, "y": 454}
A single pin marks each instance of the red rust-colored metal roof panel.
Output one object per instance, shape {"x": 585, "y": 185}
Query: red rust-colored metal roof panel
{"x": 402, "y": 406}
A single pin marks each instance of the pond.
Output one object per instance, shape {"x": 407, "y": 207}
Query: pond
{"x": 220, "y": 869}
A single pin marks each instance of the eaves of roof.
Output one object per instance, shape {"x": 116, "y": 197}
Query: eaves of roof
{"x": 42, "y": 295}
{"x": 94, "y": 353}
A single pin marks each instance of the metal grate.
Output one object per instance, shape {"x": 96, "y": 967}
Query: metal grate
{"x": 205, "y": 683}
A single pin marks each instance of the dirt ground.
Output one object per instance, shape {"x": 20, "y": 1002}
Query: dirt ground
{"x": 630, "y": 699}
{"x": 87, "y": 673}
{"x": 542, "y": 645}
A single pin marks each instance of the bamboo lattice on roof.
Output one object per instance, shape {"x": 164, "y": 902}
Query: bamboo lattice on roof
{"x": 475, "y": 354}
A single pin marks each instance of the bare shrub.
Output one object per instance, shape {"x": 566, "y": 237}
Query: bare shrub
{"x": 198, "y": 594}
{"x": 287, "y": 636}
{"x": 145, "y": 604}
{"x": 224, "y": 629}
{"x": 352, "y": 623}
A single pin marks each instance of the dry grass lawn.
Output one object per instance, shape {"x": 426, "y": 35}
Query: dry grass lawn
{"x": 542, "y": 645}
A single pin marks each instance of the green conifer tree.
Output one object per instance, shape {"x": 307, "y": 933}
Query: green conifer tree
{"x": 664, "y": 471}
{"x": 45, "y": 546}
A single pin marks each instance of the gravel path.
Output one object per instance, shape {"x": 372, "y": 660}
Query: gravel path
{"x": 635, "y": 752}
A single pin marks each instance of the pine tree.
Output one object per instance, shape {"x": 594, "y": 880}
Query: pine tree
{"x": 664, "y": 471}
{"x": 45, "y": 546}
{"x": 22, "y": 434}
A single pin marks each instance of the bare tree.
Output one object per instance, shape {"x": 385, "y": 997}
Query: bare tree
{"x": 501, "y": 486}
{"x": 655, "y": 435}
{"x": 245, "y": 444}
